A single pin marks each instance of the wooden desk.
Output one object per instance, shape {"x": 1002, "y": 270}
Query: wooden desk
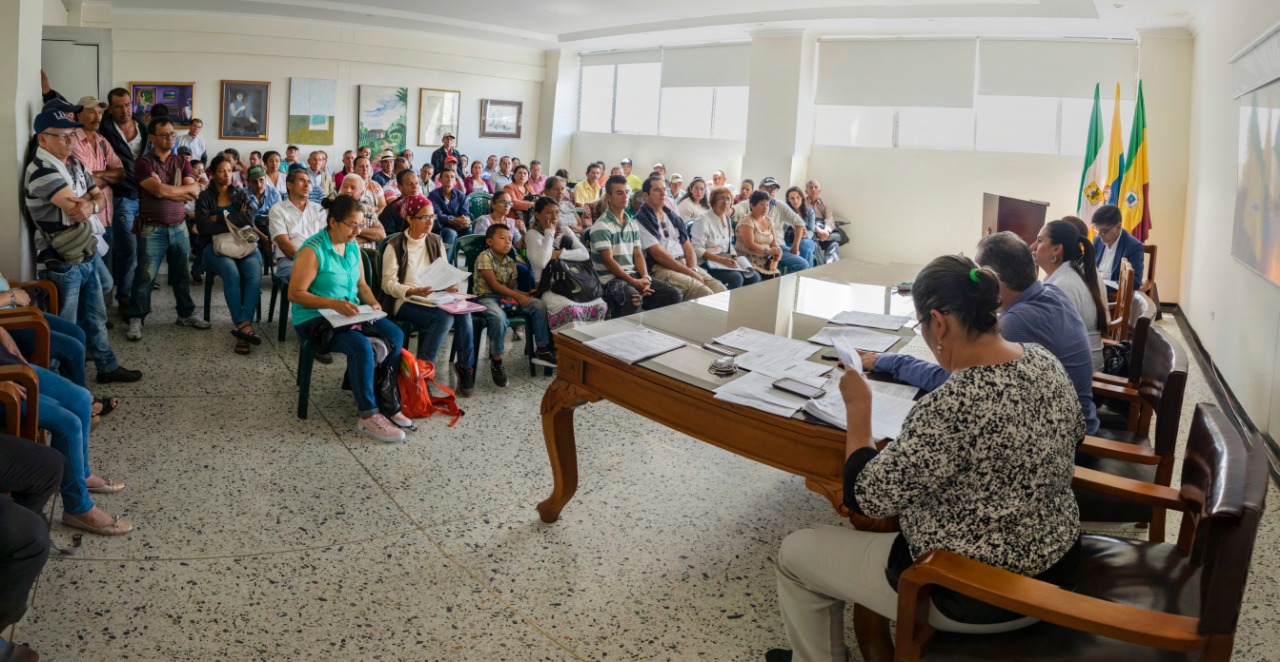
{"x": 674, "y": 389}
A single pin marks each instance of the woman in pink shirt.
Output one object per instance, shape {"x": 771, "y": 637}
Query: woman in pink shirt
{"x": 475, "y": 182}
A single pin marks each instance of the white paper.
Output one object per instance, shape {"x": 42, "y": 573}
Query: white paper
{"x": 636, "y": 346}
{"x": 364, "y": 314}
{"x": 752, "y": 340}
{"x": 794, "y": 364}
{"x": 863, "y": 339}
{"x": 848, "y": 354}
{"x": 888, "y": 412}
{"x": 756, "y": 390}
{"x": 903, "y": 391}
{"x": 919, "y": 349}
{"x": 873, "y": 320}
{"x": 440, "y": 275}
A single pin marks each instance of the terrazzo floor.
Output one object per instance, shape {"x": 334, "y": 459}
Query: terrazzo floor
{"x": 263, "y": 537}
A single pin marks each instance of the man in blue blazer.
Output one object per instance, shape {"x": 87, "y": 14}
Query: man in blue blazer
{"x": 1113, "y": 243}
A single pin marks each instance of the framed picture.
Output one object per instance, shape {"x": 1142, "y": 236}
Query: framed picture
{"x": 500, "y": 119}
{"x": 437, "y": 115}
{"x": 179, "y": 98}
{"x": 384, "y": 115}
{"x": 245, "y": 107}
{"x": 311, "y": 110}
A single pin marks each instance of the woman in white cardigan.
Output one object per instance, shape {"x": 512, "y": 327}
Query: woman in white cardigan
{"x": 1066, "y": 257}
{"x": 547, "y": 241}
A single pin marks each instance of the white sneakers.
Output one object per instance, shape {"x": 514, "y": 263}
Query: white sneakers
{"x": 135, "y": 326}
{"x": 135, "y": 329}
{"x": 378, "y": 427}
{"x": 193, "y": 322}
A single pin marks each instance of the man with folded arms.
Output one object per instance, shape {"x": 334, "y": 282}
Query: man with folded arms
{"x": 666, "y": 245}
{"x": 95, "y": 154}
{"x": 618, "y": 259}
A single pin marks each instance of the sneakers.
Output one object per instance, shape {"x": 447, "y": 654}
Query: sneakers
{"x": 403, "y": 422}
{"x": 193, "y": 322}
{"x": 378, "y": 427}
{"x": 544, "y": 357}
{"x": 466, "y": 380}
{"x": 498, "y": 373}
{"x": 135, "y": 329}
{"x": 120, "y": 374}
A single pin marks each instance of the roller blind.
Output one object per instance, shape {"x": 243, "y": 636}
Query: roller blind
{"x": 1255, "y": 66}
{"x": 621, "y": 57}
{"x": 903, "y": 72}
{"x": 1055, "y": 68}
{"x": 707, "y": 66}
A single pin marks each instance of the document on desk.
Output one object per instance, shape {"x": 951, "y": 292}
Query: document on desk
{"x": 636, "y": 346}
{"x": 872, "y": 320}
{"x": 751, "y": 340}
{"x": 919, "y": 349}
{"x": 863, "y": 339}
{"x": 888, "y": 410}
{"x": 756, "y": 390}
{"x": 780, "y": 364}
{"x": 440, "y": 275}
{"x": 363, "y": 314}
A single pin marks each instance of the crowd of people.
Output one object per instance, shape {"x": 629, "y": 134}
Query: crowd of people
{"x": 102, "y": 182}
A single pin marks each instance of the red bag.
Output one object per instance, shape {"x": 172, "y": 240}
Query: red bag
{"x": 416, "y": 378}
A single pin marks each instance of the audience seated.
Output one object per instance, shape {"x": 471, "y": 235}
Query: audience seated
{"x": 29, "y": 475}
{"x": 795, "y": 257}
{"x": 588, "y": 190}
{"x": 219, "y": 208}
{"x": 1066, "y": 257}
{"x": 745, "y": 189}
{"x": 321, "y": 183}
{"x": 825, "y": 230}
{"x": 499, "y": 214}
{"x": 796, "y": 203}
{"x": 521, "y": 194}
{"x": 675, "y": 187}
{"x": 619, "y": 260}
{"x": 666, "y": 245}
{"x": 426, "y": 178}
{"x": 547, "y": 241}
{"x": 503, "y": 175}
{"x": 1032, "y": 313}
{"x": 537, "y": 180}
{"x": 712, "y": 237}
{"x": 386, "y": 168}
{"x": 758, "y": 240}
{"x": 392, "y": 217}
{"x": 328, "y": 275}
{"x": 568, "y": 214}
{"x": 633, "y": 180}
{"x": 476, "y": 181}
{"x": 406, "y": 256}
{"x": 974, "y": 471}
{"x": 495, "y": 285}
{"x": 695, "y": 201}
{"x": 452, "y": 215}
{"x": 348, "y": 167}
{"x": 718, "y": 179}
{"x": 371, "y": 197}
{"x": 263, "y": 194}
{"x": 1113, "y": 243}
{"x": 293, "y": 221}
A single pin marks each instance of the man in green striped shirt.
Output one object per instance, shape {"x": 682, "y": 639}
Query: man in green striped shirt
{"x": 615, "y": 253}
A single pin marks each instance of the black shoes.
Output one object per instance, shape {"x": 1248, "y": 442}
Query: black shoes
{"x": 120, "y": 374}
{"x": 778, "y": 655}
{"x": 466, "y": 380}
{"x": 325, "y": 358}
{"x": 544, "y": 357}
{"x": 498, "y": 373}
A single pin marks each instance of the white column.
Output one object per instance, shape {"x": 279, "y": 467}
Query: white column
{"x": 780, "y": 106}
{"x": 19, "y": 81}
{"x": 558, "y": 110}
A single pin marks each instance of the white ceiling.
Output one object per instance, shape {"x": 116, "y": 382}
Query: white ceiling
{"x": 586, "y": 25}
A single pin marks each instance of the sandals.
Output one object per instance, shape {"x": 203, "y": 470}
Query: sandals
{"x": 245, "y": 333}
{"x": 242, "y": 347}
{"x": 106, "y": 405}
{"x": 108, "y": 486}
{"x": 118, "y": 526}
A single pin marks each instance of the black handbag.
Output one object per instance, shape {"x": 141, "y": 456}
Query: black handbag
{"x": 575, "y": 281}
{"x": 386, "y": 388}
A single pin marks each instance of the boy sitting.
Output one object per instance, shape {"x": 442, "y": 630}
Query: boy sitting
{"x": 495, "y": 287}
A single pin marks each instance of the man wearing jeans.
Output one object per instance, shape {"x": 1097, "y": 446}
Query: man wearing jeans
{"x": 63, "y": 201}
{"x": 128, "y": 139}
{"x": 165, "y": 184}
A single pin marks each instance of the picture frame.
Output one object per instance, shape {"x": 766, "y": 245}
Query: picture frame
{"x": 311, "y": 111}
{"x": 500, "y": 119}
{"x": 179, "y": 98}
{"x": 383, "y": 118}
{"x": 438, "y": 114}
{"x": 245, "y": 110}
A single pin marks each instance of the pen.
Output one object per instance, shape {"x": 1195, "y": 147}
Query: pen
{"x": 718, "y": 350}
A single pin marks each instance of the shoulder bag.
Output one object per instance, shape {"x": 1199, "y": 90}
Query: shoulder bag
{"x": 237, "y": 242}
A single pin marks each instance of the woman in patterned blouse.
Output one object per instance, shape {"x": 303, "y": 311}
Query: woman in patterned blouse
{"x": 982, "y": 468}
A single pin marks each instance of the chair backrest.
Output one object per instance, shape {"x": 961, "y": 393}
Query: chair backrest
{"x": 1124, "y": 302}
{"x": 1162, "y": 385}
{"x": 376, "y": 283}
{"x": 471, "y": 246}
{"x": 1150, "y": 259}
{"x": 479, "y": 204}
{"x": 1141, "y": 316}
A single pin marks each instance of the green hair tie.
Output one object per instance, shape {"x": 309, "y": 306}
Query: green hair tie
{"x": 973, "y": 275}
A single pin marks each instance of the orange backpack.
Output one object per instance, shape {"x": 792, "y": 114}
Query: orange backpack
{"x": 416, "y": 378}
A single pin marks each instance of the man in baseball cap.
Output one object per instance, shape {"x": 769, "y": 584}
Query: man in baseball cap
{"x": 445, "y": 151}
{"x": 633, "y": 181}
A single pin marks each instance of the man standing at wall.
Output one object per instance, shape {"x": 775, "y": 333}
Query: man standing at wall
{"x": 193, "y": 142}
{"x": 129, "y": 140}
{"x": 165, "y": 184}
{"x": 445, "y": 151}
{"x": 95, "y": 154}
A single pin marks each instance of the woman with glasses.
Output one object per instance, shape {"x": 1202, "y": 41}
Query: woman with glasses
{"x": 500, "y": 212}
{"x": 327, "y": 274}
{"x": 407, "y": 255}
{"x": 712, "y": 239}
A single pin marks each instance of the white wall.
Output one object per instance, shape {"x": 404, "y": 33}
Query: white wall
{"x": 687, "y": 156}
{"x": 54, "y": 13}
{"x": 1235, "y": 311}
{"x": 208, "y": 48}
{"x": 1165, "y": 67}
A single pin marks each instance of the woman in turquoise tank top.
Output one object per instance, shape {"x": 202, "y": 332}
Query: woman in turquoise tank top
{"x": 327, "y": 274}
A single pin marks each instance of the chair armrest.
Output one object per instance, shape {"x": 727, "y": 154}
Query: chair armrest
{"x": 1118, "y": 392}
{"x": 25, "y": 377}
{"x": 11, "y": 405}
{"x": 29, "y": 318}
{"x": 50, "y": 291}
{"x": 1030, "y": 597}
{"x": 1111, "y": 379}
{"x": 1118, "y": 450}
{"x": 1156, "y": 496}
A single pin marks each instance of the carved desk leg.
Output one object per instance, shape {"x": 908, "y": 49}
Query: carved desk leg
{"x": 558, "y": 403}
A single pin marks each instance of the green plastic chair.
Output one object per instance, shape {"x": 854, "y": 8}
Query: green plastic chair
{"x": 408, "y": 328}
{"x": 479, "y": 204}
{"x": 471, "y": 246}
{"x": 307, "y": 353}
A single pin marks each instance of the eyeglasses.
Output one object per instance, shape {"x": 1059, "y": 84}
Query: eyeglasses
{"x": 424, "y": 217}
{"x": 352, "y": 226}
{"x": 495, "y": 203}
{"x": 170, "y": 135}
{"x": 64, "y": 137}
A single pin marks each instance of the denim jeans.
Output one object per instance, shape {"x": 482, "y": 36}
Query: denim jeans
{"x": 155, "y": 244}
{"x": 732, "y": 278}
{"x": 80, "y": 299}
{"x": 105, "y": 280}
{"x": 433, "y": 324}
{"x": 791, "y": 263}
{"x": 124, "y": 246}
{"x": 65, "y": 410}
{"x": 447, "y": 235}
{"x": 66, "y": 346}
{"x": 284, "y": 267}
{"x": 807, "y": 246}
{"x": 355, "y": 346}
{"x": 241, "y": 282}
{"x": 496, "y": 322}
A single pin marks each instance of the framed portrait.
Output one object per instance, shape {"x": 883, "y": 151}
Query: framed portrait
{"x": 500, "y": 119}
{"x": 178, "y": 98}
{"x": 437, "y": 115}
{"x": 244, "y": 110}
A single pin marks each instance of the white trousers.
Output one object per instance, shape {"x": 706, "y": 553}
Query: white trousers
{"x": 821, "y": 569}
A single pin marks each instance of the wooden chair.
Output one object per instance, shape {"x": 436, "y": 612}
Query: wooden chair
{"x": 1133, "y": 600}
{"x": 44, "y": 287}
{"x": 1148, "y": 286}
{"x": 11, "y": 401}
{"x": 1116, "y": 414}
{"x": 1138, "y": 455}
{"x": 1118, "y": 327}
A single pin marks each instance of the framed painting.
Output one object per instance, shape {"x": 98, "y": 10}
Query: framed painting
{"x": 500, "y": 119}
{"x": 311, "y": 110}
{"x": 383, "y": 118}
{"x": 178, "y": 98}
{"x": 244, "y": 110}
{"x": 437, "y": 115}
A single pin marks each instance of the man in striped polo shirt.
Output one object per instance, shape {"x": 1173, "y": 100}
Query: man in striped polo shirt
{"x": 615, "y": 252}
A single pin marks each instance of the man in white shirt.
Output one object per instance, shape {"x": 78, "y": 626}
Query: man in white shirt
{"x": 502, "y": 176}
{"x": 293, "y": 221}
{"x": 192, "y": 141}
{"x": 666, "y": 245}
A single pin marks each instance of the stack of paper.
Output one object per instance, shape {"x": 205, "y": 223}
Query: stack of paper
{"x": 752, "y": 340}
{"x": 441, "y": 298}
{"x": 863, "y": 339}
{"x": 440, "y": 275}
{"x": 772, "y": 355}
{"x": 636, "y": 346}
{"x": 873, "y": 320}
{"x": 363, "y": 314}
{"x": 756, "y": 390}
{"x": 890, "y": 404}
{"x": 919, "y": 349}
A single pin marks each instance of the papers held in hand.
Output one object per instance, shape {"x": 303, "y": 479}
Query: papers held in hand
{"x": 363, "y": 314}
{"x": 440, "y": 275}
{"x": 636, "y": 346}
